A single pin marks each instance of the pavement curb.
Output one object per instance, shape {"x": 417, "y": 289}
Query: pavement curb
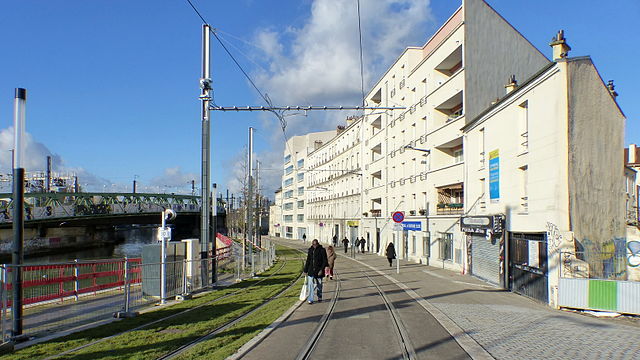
{"x": 466, "y": 342}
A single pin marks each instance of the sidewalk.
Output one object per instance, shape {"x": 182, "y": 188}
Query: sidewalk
{"x": 507, "y": 325}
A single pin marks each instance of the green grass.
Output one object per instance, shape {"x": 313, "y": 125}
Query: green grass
{"x": 229, "y": 341}
{"x": 162, "y": 337}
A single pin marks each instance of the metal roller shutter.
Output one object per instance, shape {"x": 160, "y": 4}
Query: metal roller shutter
{"x": 485, "y": 254}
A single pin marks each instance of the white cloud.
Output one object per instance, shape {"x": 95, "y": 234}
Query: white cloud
{"x": 318, "y": 63}
{"x": 175, "y": 178}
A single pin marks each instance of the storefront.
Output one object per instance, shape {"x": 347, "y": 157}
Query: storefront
{"x": 485, "y": 247}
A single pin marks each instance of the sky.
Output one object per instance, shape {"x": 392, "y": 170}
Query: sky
{"x": 113, "y": 85}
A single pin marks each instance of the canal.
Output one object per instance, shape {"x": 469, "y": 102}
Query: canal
{"x": 135, "y": 237}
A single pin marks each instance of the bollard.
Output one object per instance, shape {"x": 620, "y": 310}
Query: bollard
{"x": 238, "y": 268}
{"x": 76, "y": 282}
{"x": 184, "y": 276}
{"x": 126, "y": 285}
{"x": 253, "y": 268}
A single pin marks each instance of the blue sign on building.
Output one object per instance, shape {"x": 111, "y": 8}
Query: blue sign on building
{"x": 412, "y": 225}
{"x": 494, "y": 176}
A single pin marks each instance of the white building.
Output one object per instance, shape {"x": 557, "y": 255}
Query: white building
{"x": 293, "y": 224}
{"x": 459, "y": 135}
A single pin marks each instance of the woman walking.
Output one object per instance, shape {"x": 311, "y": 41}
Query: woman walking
{"x": 391, "y": 253}
{"x": 331, "y": 259}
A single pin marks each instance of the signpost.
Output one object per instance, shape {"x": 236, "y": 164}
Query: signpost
{"x": 398, "y": 217}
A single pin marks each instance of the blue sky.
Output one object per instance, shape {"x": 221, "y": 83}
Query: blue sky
{"x": 113, "y": 85}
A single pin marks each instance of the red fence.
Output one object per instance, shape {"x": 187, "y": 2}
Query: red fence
{"x": 42, "y": 283}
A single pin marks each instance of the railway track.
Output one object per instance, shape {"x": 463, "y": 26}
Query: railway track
{"x": 406, "y": 348}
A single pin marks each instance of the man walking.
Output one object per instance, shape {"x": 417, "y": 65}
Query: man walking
{"x": 335, "y": 241}
{"x": 314, "y": 269}
{"x": 345, "y": 242}
{"x": 304, "y": 238}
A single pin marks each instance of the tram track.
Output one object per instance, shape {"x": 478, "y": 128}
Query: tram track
{"x": 184, "y": 312}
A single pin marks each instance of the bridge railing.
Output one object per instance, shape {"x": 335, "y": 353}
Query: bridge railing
{"x": 63, "y": 295}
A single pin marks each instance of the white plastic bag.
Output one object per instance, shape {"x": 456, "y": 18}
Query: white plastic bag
{"x": 304, "y": 290}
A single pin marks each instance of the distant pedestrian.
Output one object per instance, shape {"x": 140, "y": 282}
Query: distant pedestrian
{"x": 314, "y": 269}
{"x": 335, "y": 240}
{"x": 362, "y": 245}
{"x": 391, "y": 253}
{"x": 331, "y": 260}
{"x": 345, "y": 242}
{"x": 304, "y": 238}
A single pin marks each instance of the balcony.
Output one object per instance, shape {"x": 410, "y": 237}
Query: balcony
{"x": 450, "y": 209}
{"x": 450, "y": 200}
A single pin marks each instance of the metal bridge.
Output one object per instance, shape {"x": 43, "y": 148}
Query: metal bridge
{"x": 61, "y": 206}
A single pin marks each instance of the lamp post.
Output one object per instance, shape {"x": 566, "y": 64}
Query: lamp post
{"x": 426, "y": 203}
{"x": 18, "y": 209}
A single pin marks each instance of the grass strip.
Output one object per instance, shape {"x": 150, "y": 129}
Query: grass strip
{"x": 168, "y": 334}
{"x": 228, "y": 342}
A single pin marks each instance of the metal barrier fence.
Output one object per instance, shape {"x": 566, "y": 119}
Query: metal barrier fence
{"x": 61, "y": 296}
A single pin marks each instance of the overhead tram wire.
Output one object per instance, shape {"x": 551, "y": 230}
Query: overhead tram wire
{"x": 361, "y": 62}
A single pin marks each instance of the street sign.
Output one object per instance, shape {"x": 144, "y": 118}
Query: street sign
{"x": 397, "y": 227}
{"x": 398, "y": 216}
{"x": 164, "y": 233}
{"x": 412, "y": 225}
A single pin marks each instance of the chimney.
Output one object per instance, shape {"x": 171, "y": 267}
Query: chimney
{"x": 632, "y": 154}
{"x": 512, "y": 84}
{"x": 560, "y": 47}
{"x": 339, "y": 129}
{"x": 317, "y": 144}
{"x": 612, "y": 89}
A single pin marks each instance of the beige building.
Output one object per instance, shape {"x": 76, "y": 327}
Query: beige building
{"x": 292, "y": 221}
{"x": 488, "y": 179}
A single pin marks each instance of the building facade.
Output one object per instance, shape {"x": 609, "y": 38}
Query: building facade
{"x": 487, "y": 178}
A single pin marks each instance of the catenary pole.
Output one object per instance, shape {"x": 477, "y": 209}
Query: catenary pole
{"x": 205, "y": 98}
{"x": 17, "y": 254}
{"x": 249, "y": 198}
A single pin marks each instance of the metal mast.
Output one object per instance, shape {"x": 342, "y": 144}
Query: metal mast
{"x": 205, "y": 98}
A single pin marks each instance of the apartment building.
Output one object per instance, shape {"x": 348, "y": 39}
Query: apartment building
{"x": 536, "y": 164}
{"x": 275, "y": 215}
{"x": 292, "y": 221}
{"x": 493, "y": 180}
{"x": 334, "y": 183}
{"x": 417, "y": 153}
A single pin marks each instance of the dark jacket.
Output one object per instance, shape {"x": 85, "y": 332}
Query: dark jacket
{"x": 391, "y": 251}
{"x": 316, "y": 262}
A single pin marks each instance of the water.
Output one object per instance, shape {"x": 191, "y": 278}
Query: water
{"x": 134, "y": 239}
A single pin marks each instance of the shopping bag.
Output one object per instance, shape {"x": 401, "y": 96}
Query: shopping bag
{"x": 303, "y": 291}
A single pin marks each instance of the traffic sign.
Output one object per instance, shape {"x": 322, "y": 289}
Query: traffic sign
{"x": 397, "y": 227}
{"x": 398, "y": 216}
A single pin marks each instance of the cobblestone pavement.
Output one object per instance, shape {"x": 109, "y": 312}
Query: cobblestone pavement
{"x": 516, "y": 332}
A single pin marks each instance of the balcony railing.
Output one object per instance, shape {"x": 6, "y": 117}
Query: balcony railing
{"x": 450, "y": 209}
{"x": 376, "y": 213}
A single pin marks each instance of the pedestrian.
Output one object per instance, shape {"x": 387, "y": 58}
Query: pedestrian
{"x": 345, "y": 242}
{"x": 391, "y": 253}
{"x": 314, "y": 269}
{"x": 362, "y": 245}
{"x": 331, "y": 260}
{"x": 304, "y": 238}
{"x": 335, "y": 240}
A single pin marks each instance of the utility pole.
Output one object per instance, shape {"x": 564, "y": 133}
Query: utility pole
{"x": 258, "y": 206}
{"x": 135, "y": 183}
{"x": 47, "y": 187}
{"x": 205, "y": 97}
{"x": 17, "y": 254}
{"x": 214, "y": 260}
{"x": 249, "y": 232}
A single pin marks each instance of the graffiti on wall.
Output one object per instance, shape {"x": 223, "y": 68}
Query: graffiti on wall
{"x": 554, "y": 237}
{"x": 633, "y": 259}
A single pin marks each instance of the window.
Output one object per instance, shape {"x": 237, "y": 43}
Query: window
{"x": 413, "y": 245}
{"x": 426, "y": 246}
{"x": 288, "y": 194}
{"x": 458, "y": 156}
{"x": 300, "y": 177}
{"x": 300, "y": 204}
{"x": 287, "y": 159}
{"x": 300, "y": 163}
{"x": 483, "y": 202}
{"x": 288, "y": 170}
{"x": 300, "y": 218}
{"x": 287, "y": 182}
{"x": 524, "y": 127}
{"x": 288, "y": 218}
{"x": 301, "y": 190}
{"x": 524, "y": 197}
{"x": 288, "y": 232}
{"x": 446, "y": 246}
{"x": 288, "y": 206}
{"x": 482, "y": 152}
